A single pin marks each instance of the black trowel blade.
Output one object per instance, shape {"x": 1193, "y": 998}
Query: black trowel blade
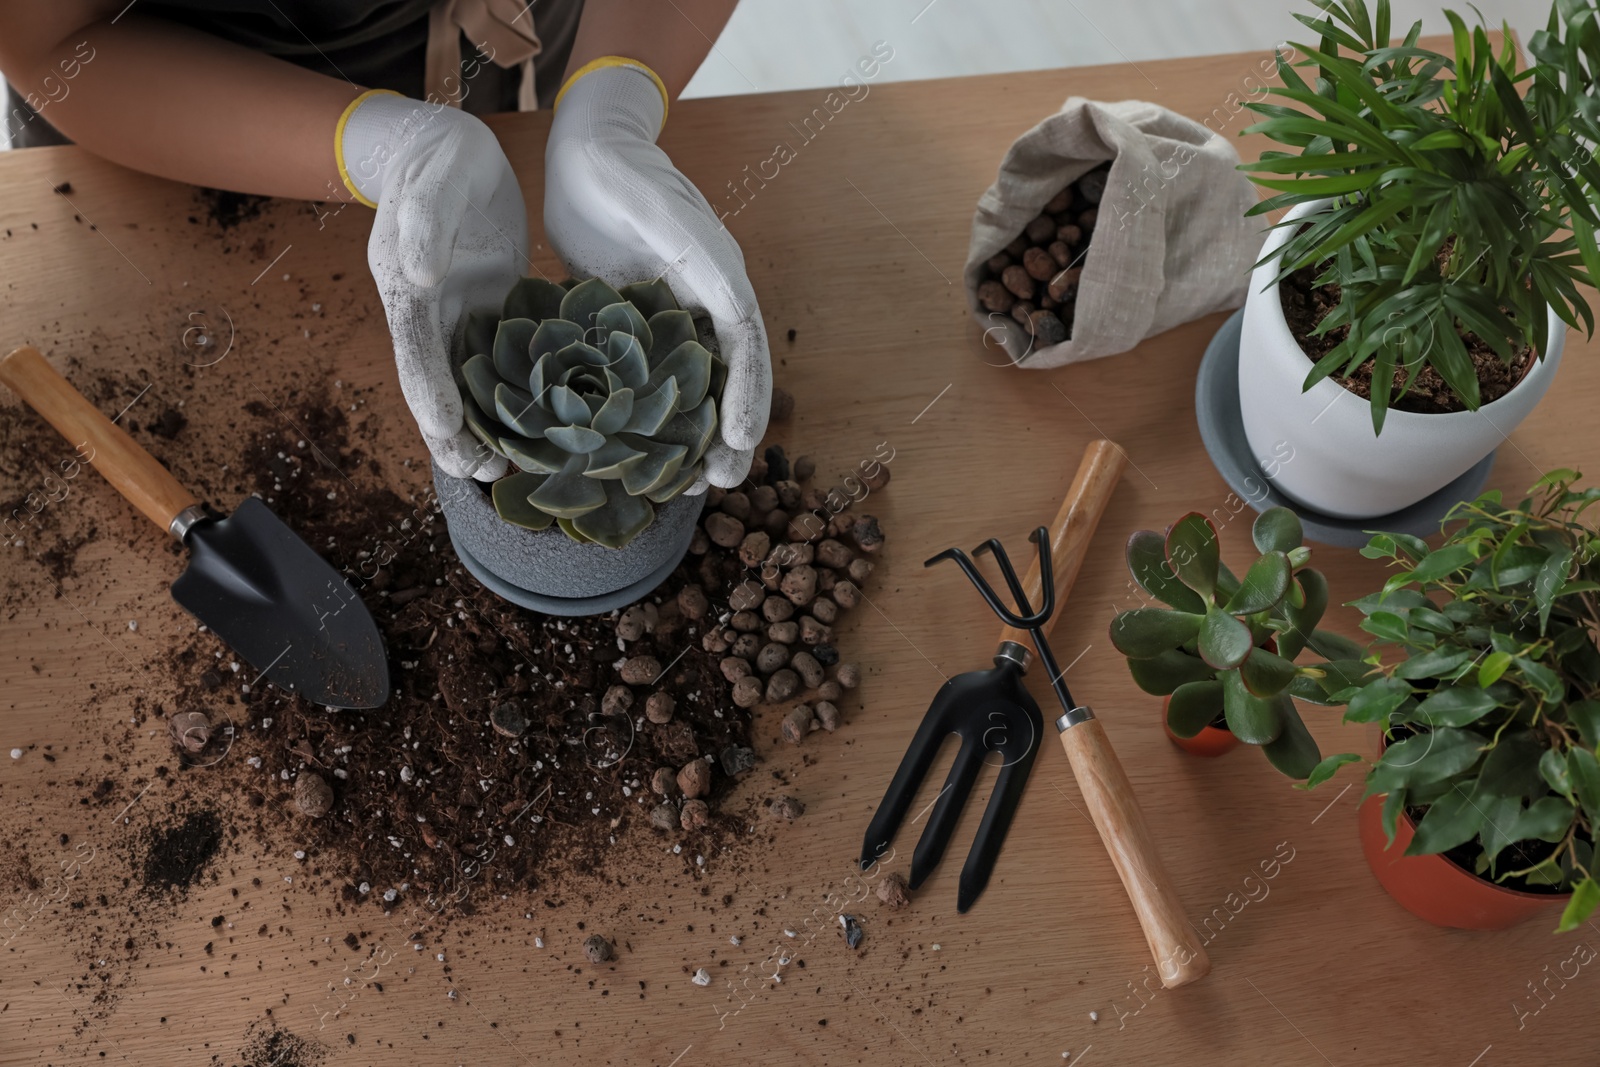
{"x": 281, "y": 607}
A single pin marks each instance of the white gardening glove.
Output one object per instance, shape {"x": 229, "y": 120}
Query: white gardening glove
{"x": 616, "y": 208}
{"x": 450, "y": 236}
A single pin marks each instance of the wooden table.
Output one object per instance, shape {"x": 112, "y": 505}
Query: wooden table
{"x": 857, "y": 246}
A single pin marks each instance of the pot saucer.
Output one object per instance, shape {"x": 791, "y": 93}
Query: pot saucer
{"x": 562, "y": 605}
{"x": 1216, "y": 404}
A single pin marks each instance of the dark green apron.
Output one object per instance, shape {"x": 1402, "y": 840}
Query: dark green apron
{"x": 377, "y": 44}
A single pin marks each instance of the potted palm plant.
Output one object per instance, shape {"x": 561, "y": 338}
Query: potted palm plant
{"x": 1482, "y": 809}
{"x": 1223, "y": 649}
{"x": 604, "y": 403}
{"x": 1410, "y": 308}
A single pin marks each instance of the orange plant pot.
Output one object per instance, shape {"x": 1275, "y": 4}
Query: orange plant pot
{"x": 1210, "y": 741}
{"x": 1437, "y": 889}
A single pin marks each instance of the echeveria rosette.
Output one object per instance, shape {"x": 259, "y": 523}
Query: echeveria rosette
{"x": 1225, "y": 646}
{"x": 604, "y": 401}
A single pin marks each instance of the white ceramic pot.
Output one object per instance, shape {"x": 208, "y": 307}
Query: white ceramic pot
{"x": 1317, "y": 445}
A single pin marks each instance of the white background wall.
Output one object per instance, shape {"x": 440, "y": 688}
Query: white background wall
{"x": 798, "y": 44}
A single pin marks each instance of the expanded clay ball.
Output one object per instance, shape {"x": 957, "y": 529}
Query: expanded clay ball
{"x": 617, "y": 700}
{"x": 783, "y": 684}
{"x": 664, "y": 782}
{"x": 597, "y": 949}
{"x": 312, "y": 795}
{"x": 747, "y": 692}
{"x": 659, "y": 707}
{"x": 797, "y": 723}
{"x": 696, "y": 815}
{"x": 641, "y": 670}
{"x": 694, "y": 779}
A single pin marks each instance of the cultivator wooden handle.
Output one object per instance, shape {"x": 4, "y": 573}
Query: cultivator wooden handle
{"x": 132, "y": 471}
{"x": 1113, "y": 808}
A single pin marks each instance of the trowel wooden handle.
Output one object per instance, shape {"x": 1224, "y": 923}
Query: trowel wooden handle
{"x": 131, "y": 470}
{"x": 1070, "y": 533}
{"x": 1114, "y": 809}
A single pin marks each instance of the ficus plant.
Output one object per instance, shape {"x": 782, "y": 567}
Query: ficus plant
{"x": 1224, "y": 648}
{"x": 1491, "y": 696}
{"x": 1454, "y": 192}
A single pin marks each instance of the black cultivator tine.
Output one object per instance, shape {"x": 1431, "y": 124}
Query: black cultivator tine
{"x": 947, "y": 810}
{"x": 914, "y": 765}
{"x": 997, "y": 815}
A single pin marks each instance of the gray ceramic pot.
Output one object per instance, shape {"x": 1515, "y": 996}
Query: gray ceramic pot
{"x": 550, "y": 572}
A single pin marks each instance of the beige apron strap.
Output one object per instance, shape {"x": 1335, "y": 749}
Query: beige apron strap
{"x": 502, "y": 29}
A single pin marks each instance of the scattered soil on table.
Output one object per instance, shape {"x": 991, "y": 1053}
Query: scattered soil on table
{"x": 228, "y": 209}
{"x": 177, "y": 854}
{"x": 270, "y": 1045}
{"x": 427, "y": 794}
{"x": 1305, "y": 304}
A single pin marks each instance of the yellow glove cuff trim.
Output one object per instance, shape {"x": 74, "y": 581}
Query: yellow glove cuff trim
{"x": 617, "y": 61}
{"x": 338, "y": 141}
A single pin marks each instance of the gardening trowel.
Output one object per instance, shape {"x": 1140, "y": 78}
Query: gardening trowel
{"x": 250, "y": 579}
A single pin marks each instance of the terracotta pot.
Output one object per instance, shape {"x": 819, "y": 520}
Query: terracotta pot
{"x": 1327, "y": 457}
{"x": 1437, "y": 889}
{"x": 1210, "y": 741}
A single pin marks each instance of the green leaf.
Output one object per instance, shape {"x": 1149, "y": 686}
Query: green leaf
{"x": 1585, "y": 773}
{"x": 616, "y": 522}
{"x": 651, "y": 298}
{"x": 1585, "y": 715}
{"x": 1193, "y": 552}
{"x": 1492, "y": 667}
{"x": 1387, "y": 626}
{"x": 1330, "y": 645}
{"x": 1455, "y": 706}
{"x": 1266, "y": 674}
{"x": 583, "y": 302}
{"x": 1277, "y": 530}
{"x": 510, "y": 495}
{"x": 1511, "y": 769}
{"x": 1253, "y": 720}
{"x": 1451, "y": 820}
{"x": 1327, "y": 768}
{"x": 1294, "y": 751}
{"x": 1433, "y": 663}
{"x": 512, "y": 349}
{"x": 1224, "y": 640}
{"x": 1549, "y": 579}
{"x": 533, "y": 298}
{"x": 1303, "y": 618}
{"x": 569, "y": 494}
{"x": 1263, "y": 587}
{"x": 1585, "y": 897}
{"x": 1193, "y": 706}
{"x": 1425, "y": 758}
{"x": 1145, "y": 632}
{"x": 1160, "y": 675}
{"x": 1147, "y": 562}
{"x": 1377, "y": 700}
{"x": 1546, "y": 819}
{"x": 1443, "y": 562}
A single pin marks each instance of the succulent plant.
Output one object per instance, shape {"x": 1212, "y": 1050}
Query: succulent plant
{"x": 1227, "y": 647}
{"x": 604, "y": 402}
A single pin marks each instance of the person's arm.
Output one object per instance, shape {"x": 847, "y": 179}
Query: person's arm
{"x": 670, "y": 39}
{"x": 169, "y": 101}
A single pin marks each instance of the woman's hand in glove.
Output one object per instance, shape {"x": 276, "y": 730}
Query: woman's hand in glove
{"x": 616, "y": 208}
{"x": 450, "y": 237}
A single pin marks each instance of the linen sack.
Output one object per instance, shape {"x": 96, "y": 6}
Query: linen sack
{"x": 1170, "y": 242}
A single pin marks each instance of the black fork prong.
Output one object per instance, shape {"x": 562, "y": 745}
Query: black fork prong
{"x": 1026, "y": 616}
{"x": 920, "y": 754}
{"x": 1041, "y": 538}
{"x": 997, "y": 816}
{"x": 976, "y": 577}
{"x": 947, "y": 810}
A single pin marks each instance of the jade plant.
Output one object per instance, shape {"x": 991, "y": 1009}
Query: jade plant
{"x": 1224, "y": 649}
{"x": 603, "y": 401}
{"x": 1492, "y": 706}
{"x": 1454, "y": 193}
